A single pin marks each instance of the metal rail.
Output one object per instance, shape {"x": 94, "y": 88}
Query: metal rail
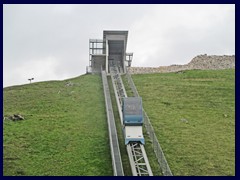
{"x": 137, "y": 156}
{"x": 139, "y": 161}
{"x": 156, "y": 145}
{"x": 113, "y": 137}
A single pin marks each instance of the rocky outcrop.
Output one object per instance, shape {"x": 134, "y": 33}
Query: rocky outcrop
{"x": 212, "y": 62}
{"x": 198, "y": 62}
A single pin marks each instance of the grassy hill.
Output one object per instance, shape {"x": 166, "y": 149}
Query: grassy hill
{"x": 65, "y": 128}
{"x": 193, "y": 115}
{"x": 64, "y": 131}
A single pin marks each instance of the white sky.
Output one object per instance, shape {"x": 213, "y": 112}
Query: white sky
{"x": 50, "y": 42}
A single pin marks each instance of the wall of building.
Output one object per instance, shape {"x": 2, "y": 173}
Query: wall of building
{"x": 198, "y": 62}
{"x": 97, "y": 62}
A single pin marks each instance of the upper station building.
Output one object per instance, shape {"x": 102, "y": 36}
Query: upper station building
{"x": 111, "y": 50}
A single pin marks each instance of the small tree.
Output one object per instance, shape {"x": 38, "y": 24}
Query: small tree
{"x": 31, "y": 80}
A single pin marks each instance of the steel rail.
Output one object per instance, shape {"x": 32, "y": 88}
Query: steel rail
{"x": 136, "y": 152}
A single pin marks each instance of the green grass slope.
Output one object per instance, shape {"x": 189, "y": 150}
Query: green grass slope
{"x": 193, "y": 114}
{"x": 64, "y": 131}
{"x": 65, "y": 128}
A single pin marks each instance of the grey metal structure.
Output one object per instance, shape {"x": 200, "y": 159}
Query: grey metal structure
{"x": 156, "y": 145}
{"x": 110, "y": 49}
{"x": 109, "y": 56}
{"x": 137, "y": 156}
{"x": 138, "y": 160}
{"x": 113, "y": 137}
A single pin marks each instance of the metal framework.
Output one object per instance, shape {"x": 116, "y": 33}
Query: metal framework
{"x": 111, "y": 48}
{"x": 129, "y": 57}
{"x": 139, "y": 161}
{"x": 137, "y": 156}
{"x": 96, "y": 47}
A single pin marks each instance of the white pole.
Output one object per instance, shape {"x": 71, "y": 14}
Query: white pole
{"x": 106, "y": 56}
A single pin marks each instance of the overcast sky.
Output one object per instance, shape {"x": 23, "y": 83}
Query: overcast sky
{"x": 50, "y": 42}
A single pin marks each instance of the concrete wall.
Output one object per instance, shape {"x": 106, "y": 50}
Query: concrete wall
{"x": 198, "y": 62}
{"x": 97, "y": 62}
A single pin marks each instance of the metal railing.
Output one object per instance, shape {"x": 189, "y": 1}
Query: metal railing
{"x": 156, "y": 145}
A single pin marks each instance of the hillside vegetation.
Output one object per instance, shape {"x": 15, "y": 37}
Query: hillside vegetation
{"x": 193, "y": 114}
{"x": 65, "y": 128}
{"x": 64, "y": 131}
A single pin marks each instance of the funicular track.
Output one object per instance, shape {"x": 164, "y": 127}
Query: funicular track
{"x": 136, "y": 152}
{"x": 115, "y": 152}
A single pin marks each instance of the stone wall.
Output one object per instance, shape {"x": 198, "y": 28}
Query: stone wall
{"x": 198, "y": 62}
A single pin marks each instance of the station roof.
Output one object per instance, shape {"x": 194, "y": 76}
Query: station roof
{"x": 124, "y": 33}
{"x": 115, "y": 43}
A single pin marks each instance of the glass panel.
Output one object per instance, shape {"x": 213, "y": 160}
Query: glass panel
{"x": 133, "y": 107}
